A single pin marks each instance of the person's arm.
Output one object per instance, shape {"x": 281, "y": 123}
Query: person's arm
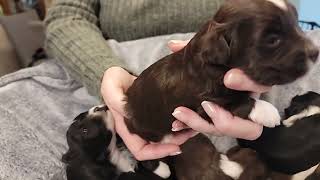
{"x": 74, "y": 38}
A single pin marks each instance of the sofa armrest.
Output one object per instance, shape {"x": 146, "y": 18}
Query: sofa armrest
{"x": 9, "y": 61}
{"x": 26, "y": 33}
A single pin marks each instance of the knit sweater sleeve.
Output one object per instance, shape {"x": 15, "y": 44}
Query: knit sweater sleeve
{"x": 73, "y": 37}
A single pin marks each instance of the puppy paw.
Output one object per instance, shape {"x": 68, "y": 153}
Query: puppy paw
{"x": 265, "y": 113}
{"x": 230, "y": 168}
{"x": 162, "y": 170}
{"x": 288, "y": 122}
{"x": 310, "y": 111}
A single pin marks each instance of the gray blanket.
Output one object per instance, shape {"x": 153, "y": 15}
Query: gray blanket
{"x": 38, "y": 104}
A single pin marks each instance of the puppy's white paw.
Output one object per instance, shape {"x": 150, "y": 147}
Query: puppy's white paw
{"x": 162, "y": 170}
{"x": 230, "y": 168}
{"x": 288, "y": 123}
{"x": 265, "y": 113}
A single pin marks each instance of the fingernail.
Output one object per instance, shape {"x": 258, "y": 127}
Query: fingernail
{"x": 194, "y": 134}
{"x": 175, "y": 127}
{"x": 232, "y": 80}
{"x": 175, "y": 41}
{"x": 175, "y": 153}
{"x": 208, "y": 107}
{"x": 176, "y": 113}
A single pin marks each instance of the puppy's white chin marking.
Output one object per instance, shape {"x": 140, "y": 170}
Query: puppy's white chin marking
{"x": 162, "y": 170}
{"x": 265, "y": 114}
{"x": 230, "y": 168}
{"x": 310, "y": 111}
{"x": 279, "y": 3}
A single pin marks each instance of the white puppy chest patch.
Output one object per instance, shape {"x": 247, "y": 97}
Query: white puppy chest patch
{"x": 279, "y": 3}
{"x": 121, "y": 158}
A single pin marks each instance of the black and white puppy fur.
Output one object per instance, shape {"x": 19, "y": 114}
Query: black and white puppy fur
{"x": 95, "y": 152}
{"x": 294, "y": 146}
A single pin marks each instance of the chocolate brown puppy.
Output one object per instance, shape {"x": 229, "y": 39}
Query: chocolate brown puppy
{"x": 201, "y": 161}
{"x": 261, "y": 37}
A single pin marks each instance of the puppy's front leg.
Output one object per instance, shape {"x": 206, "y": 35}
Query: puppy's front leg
{"x": 264, "y": 113}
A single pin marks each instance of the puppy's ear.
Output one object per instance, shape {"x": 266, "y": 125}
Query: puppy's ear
{"x": 69, "y": 156}
{"x": 212, "y": 47}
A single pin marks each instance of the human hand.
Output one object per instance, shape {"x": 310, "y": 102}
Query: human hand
{"x": 224, "y": 123}
{"x": 114, "y": 84}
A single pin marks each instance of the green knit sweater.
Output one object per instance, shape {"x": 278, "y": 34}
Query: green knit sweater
{"x": 77, "y": 29}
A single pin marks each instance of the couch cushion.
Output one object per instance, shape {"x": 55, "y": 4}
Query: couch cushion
{"x": 8, "y": 61}
{"x": 26, "y": 33}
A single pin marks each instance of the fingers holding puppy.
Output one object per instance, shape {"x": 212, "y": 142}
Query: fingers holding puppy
{"x": 223, "y": 122}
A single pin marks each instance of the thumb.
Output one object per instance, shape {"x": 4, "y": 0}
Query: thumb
{"x": 157, "y": 151}
{"x": 236, "y": 79}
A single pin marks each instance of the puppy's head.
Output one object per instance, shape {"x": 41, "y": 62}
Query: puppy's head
{"x": 262, "y": 37}
{"x": 89, "y": 134}
{"x": 302, "y": 102}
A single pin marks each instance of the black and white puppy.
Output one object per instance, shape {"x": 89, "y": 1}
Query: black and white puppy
{"x": 294, "y": 146}
{"x": 95, "y": 152}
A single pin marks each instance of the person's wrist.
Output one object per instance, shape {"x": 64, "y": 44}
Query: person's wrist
{"x": 112, "y": 69}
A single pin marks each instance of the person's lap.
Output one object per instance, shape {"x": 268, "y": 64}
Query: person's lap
{"x": 38, "y": 104}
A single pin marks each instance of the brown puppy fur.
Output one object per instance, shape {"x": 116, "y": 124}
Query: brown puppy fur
{"x": 253, "y": 35}
{"x": 201, "y": 161}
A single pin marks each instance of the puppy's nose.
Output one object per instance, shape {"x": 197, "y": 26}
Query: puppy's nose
{"x": 313, "y": 54}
